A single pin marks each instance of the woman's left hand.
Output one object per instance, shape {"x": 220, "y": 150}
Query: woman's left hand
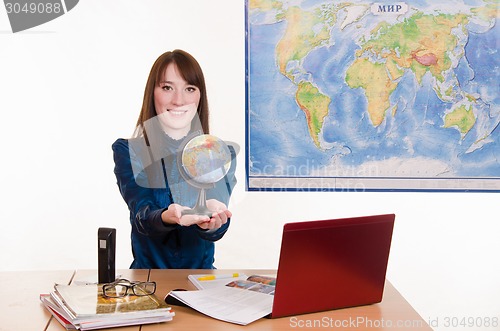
{"x": 219, "y": 217}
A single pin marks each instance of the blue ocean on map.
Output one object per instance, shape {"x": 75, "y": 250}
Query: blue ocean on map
{"x": 279, "y": 140}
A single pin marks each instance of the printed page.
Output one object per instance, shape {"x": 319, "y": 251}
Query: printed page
{"x": 228, "y": 303}
{"x": 204, "y": 281}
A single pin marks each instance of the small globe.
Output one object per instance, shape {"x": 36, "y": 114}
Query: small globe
{"x": 205, "y": 159}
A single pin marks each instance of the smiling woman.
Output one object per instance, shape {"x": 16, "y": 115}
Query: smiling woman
{"x": 174, "y": 109}
{"x": 175, "y": 80}
{"x": 176, "y": 102}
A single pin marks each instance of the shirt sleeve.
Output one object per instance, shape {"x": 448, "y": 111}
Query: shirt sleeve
{"x": 132, "y": 182}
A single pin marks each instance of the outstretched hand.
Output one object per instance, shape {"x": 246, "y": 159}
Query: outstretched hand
{"x": 220, "y": 215}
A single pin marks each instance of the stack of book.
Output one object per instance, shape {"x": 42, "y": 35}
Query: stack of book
{"x": 83, "y": 307}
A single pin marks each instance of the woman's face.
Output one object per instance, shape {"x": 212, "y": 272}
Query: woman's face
{"x": 176, "y": 103}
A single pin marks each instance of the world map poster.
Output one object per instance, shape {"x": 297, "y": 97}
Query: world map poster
{"x": 360, "y": 96}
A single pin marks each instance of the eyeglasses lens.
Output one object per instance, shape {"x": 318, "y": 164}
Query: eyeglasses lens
{"x": 145, "y": 288}
{"x": 115, "y": 291}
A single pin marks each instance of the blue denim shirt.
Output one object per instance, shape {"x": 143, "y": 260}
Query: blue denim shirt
{"x": 156, "y": 245}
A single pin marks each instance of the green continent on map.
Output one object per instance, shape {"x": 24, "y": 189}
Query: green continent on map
{"x": 315, "y": 106}
{"x": 378, "y": 86}
{"x": 421, "y": 44}
{"x": 305, "y": 31}
{"x": 265, "y": 5}
{"x": 462, "y": 117}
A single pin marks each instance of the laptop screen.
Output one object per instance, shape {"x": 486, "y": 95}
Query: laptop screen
{"x": 330, "y": 264}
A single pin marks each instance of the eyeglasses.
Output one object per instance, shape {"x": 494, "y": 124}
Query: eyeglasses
{"x": 120, "y": 288}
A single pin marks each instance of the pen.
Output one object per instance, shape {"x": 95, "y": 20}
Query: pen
{"x": 213, "y": 277}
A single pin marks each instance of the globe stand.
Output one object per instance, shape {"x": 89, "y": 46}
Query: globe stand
{"x": 201, "y": 206}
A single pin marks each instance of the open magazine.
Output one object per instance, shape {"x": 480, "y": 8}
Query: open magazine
{"x": 263, "y": 284}
{"x": 204, "y": 281}
{"x": 239, "y": 301}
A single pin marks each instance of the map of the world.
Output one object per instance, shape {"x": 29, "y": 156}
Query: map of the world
{"x": 362, "y": 95}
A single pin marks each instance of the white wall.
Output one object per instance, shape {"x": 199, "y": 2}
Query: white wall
{"x": 70, "y": 87}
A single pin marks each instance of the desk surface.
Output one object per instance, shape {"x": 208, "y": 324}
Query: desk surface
{"x": 25, "y": 312}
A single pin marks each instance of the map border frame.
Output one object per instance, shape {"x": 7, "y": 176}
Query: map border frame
{"x": 352, "y": 183}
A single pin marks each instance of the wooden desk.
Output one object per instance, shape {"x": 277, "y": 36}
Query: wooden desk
{"x": 20, "y": 305}
{"x": 393, "y": 313}
{"x": 387, "y": 315}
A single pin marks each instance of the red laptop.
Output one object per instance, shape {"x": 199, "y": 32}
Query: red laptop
{"x": 332, "y": 264}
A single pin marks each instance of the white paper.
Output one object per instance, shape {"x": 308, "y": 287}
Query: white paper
{"x": 228, "y": 303}
{"x": 219, "y": 281}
